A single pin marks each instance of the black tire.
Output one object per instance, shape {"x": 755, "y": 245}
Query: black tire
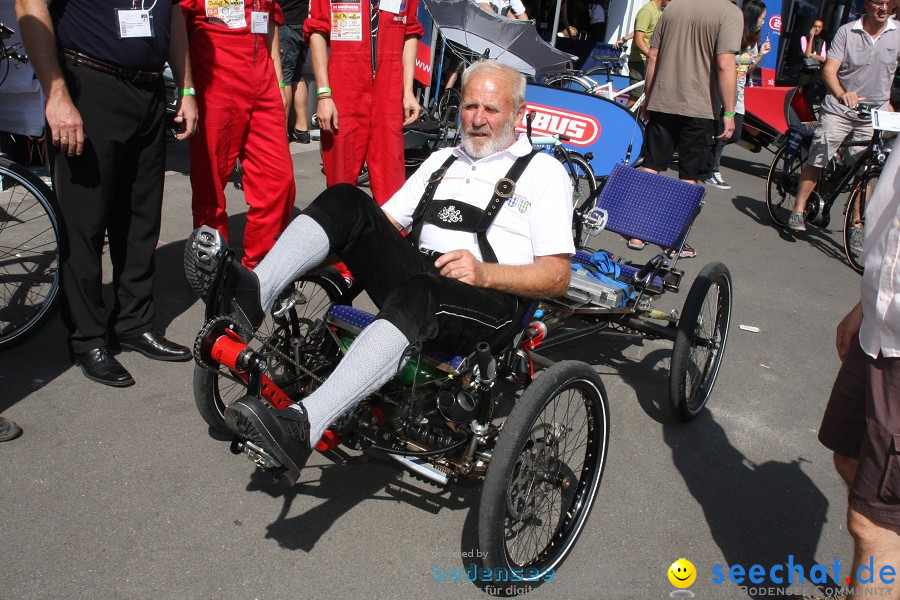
{"x": 30, "y": 240}
{"x": 363, "y": 178}
{"x": 548, "y": 516}
{"x": 781, "y": 184}
{"x": 214, "y": 390}
{"x": 572, "y": 82}
{"x": 855, "y": 217}
{"x": 584, "y": 183}
{"x": 700, "y": 341}
{"x": 447, "y": 109}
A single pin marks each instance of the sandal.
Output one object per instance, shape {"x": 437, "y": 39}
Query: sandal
{"x": 636, "y": 244}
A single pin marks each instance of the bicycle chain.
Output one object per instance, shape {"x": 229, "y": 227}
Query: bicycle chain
{"x": 245, "y": 335}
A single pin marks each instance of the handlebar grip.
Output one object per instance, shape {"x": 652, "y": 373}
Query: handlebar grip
{"x": 487, "y": 368}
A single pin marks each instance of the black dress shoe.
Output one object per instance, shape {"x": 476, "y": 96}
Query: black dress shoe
{"x": 283, "y": 433}
{"x": 153, "y": 345}
{"x": 98, "y": 365}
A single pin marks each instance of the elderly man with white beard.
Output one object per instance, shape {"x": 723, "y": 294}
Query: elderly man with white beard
{"x": 488, "y": 226}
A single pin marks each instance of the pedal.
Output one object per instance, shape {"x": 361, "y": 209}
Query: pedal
{"x": 290, "y": 302}
{"x": 259, "y": 456}
{"x": 595, "y": 221}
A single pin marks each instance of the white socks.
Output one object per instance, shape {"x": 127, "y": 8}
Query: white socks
{"x": 372, "y": 361}
{"x": 302, "y": 246}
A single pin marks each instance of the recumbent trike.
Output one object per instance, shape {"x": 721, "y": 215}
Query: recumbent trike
{"x": 441, "y": 417}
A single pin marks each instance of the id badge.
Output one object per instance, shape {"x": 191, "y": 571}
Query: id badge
{"x": 134, "y": 23}
{"x": 259, "y": 22}
{"x": 391, "y": 6}
{"x": 346, "y": 22}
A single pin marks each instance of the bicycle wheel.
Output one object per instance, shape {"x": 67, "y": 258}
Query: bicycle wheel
{"x": 781, "y": 184}
{"x": 214, "y": 390}
{"x": 584, "y": 184}
{"x": 447, "y": 109}
{"x": 544, "y": 473}
{"x": 29, "y": 252}
{"x": 572, "y": 82}
{"x": 855, "y": 221}
{"x": 700, "y": 341}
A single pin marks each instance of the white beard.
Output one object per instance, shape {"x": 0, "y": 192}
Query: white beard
{"x": 477, "y": 147}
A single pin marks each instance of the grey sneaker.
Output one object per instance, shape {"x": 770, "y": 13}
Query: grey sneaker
{"x": 8, "y": 430}
{"x": 716, "y": 181}
{"x": 795, "y": 223}
{"x": 856, "y": 239}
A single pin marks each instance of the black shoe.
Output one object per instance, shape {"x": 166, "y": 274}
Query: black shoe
{"x": 153, "y": 345}
{"x": 98, "y": 365}
{"x": 206, "y": 260}
{"x": 300, "y": 136}
{"x": 9, "y": 430}
{"x": 284, "y": 433}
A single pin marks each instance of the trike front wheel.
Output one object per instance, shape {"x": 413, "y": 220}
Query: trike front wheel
{"x": 214, "y": 390}
{"x": 700, "y": 341}
{"x": 544, "y": 473}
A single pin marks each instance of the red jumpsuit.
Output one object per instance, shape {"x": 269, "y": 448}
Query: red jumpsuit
{"x": 241, "y": 116}
{"x": 369, "y": 110}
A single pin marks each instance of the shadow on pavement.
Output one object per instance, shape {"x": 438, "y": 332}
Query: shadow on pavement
{"x": 757, "y": 169}
{"x": 757, "y": 513}
{"x": 346, "y": 482}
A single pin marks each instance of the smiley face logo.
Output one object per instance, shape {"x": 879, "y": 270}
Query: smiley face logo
{"x": 682, "y": 573}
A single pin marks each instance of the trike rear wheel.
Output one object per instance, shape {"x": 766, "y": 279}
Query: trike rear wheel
{"x": 214, "y": 390}
{"x": 544, "y": 472}
{"x": 700, "y": 341}
{"x": 782, "y": 182}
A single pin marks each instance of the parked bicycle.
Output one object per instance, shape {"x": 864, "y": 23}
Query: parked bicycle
{"x": 837, "y": 177}
{"x": 29, "y": 239}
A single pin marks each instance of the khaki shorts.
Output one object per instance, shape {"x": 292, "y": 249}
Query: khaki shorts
{"x": 833, "y": 131}
{"x": 862, "y": 421}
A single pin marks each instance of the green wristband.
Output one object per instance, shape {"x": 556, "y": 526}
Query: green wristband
{"x": 281, "y": 84}
{"x": 728, "y": 114}
{"x": 323, "y": 91}
{"x": 187, "y": 91}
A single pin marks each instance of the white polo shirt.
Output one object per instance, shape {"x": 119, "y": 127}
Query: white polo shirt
{"x": 880, "y": 329}
{"x": 535, "y": 221}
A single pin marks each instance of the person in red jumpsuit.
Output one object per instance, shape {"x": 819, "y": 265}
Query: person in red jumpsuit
{"x": 235, "y": 46}
{"x": 363, "y": 103}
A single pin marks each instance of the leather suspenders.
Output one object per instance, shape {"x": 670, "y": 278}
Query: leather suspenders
{"x": 446, "y": 215}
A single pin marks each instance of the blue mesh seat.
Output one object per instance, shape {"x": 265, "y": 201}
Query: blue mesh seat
{"x": 650, "y": 207}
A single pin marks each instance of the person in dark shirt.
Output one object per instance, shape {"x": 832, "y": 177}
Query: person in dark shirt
{"x": 100, "y": 64}
{"x": 294, "y": 52}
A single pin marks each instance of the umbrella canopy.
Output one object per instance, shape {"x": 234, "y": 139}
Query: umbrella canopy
{"x": 510, "y": 41}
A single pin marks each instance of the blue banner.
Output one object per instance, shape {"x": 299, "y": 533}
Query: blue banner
{"x": 593, "y": 124}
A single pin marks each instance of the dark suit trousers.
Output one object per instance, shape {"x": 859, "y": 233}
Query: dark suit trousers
{"x": 116, "y": 188}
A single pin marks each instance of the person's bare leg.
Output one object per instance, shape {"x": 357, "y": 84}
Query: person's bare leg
{"x": 880, "y": 543}
{"x": 298, "y": 88}
{"x": 809, "y": 176}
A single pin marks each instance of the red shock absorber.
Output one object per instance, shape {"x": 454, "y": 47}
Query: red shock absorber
{"x": 232, "y": 352}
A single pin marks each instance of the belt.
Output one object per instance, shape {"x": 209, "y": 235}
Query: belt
{"x": 77, "y": 58}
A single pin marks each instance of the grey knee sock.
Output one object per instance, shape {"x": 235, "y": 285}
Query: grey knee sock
{"x": 370, "y": 363}
{"x": 302, "y": 246}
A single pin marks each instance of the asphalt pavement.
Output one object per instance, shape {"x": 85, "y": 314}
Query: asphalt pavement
{"x": 124, "y": 493}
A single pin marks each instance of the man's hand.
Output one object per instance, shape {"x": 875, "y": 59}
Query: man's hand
{"x": 327, "y": 115}
{"x": 462, "y": 265}
{"x": 66, "y": 126}
{"x": 186, "y": 112}
{"x": 411, "y": 108}
{"x": 851, "y": 99}
{"x": 847, "y": 330}
{"x": 727, "y": 129}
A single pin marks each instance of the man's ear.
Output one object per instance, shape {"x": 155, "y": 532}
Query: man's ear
{"x": 520, "y": 115}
